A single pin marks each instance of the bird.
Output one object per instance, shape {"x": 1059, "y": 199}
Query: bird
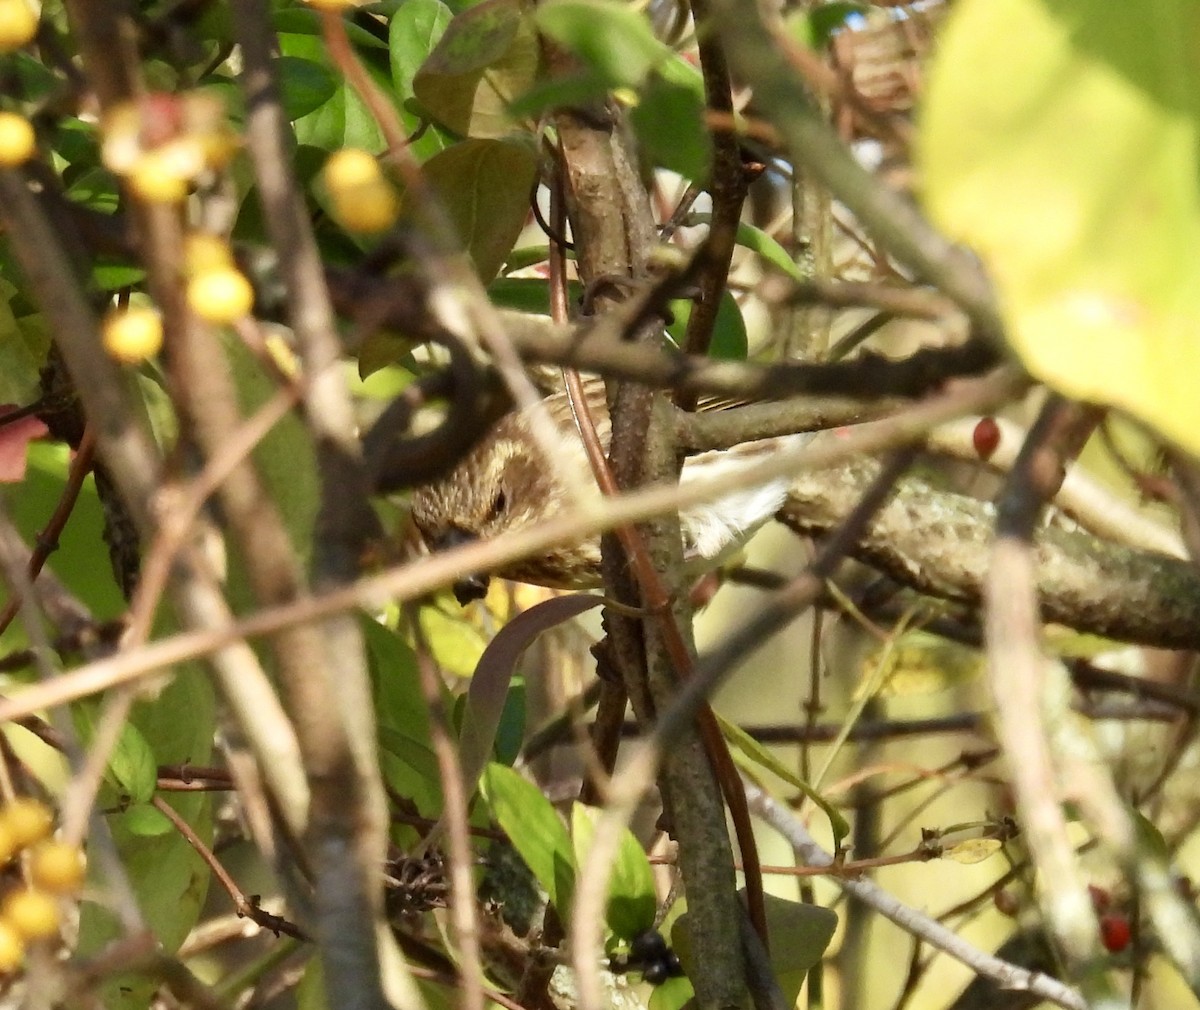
{"x": 507, "y": 483}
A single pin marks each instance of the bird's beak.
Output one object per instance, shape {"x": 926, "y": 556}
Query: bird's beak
{"x": 470, "y": 587}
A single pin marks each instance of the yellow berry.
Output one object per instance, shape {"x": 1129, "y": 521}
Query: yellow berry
{"x": 220, "y": 296}
{"x": 363, "y": 199}
{"x": 33, "y": 914}
{"x": 18, "y": 24}
{"x": 371, "y": 207}
{"x": 57, "y": 867}
{"x": 12, "y": 948}
{"x": 28, "y": 820}
{"x": 132, "y": 335}
{"x": 8, "y": 844}
{"x": 350, "y": 167}
{"x": 17, "y": 140}
{"x": 332, "y": 5}
{"x": 156, "y": 180}
{"x": 203, "y": 252}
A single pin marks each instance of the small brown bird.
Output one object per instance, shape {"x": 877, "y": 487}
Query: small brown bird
{"x": 504, "y": 485}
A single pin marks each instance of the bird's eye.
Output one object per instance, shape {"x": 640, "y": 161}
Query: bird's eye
{"x": 499, "y": 504}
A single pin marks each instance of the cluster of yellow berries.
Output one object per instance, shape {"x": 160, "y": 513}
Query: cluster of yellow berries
{"x": 31, "y": 913}
{"x": 362, "y": 198}
{"x": 18, "y": 25}
{"x": 217, "y": 291}
{"x": 161, "y": 142}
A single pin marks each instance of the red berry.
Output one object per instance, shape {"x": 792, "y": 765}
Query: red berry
{"x": 1006, "y": 903}
{"x": 1115, "y": 933}
{"x": 986, "y": 437}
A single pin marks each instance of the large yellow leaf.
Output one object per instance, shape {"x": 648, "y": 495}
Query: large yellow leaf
{"x": 1059, "y": 139}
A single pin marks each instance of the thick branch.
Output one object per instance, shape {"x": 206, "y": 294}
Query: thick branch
{"x": 939, "y": 543}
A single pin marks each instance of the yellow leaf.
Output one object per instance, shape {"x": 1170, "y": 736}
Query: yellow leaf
{"x": 917, "y": 663}
{"x": 1060, "y": 140}
{"x": 973, "y": 850}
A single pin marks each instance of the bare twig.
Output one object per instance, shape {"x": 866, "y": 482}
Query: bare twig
{"x": 1008, "y": 976}
{"x": 245, "y": 906}
{"x": 454, "y": 817}
{"x": 1016, "y": 673}
{"x": 47, "y": 540}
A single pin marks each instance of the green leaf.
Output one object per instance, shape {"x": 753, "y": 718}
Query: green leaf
{"x": 535, "y": 831}
{"x": 631, "y": 899}
{"x": 799, "y": 932}
{"x": 310, "y": 992}
{"x": 559, "y": 92}
{"x": 730, "y": 341}
{"x": 491, "y": 691}
{"x": 669, "y": 121}
{"x": 414, "y": 31}
{"x": 528, "y": 294}
{"x": 22, "y": 352}
{"x": 35, "y": 81}
{"x": 406, "y": 753}
{"x": 485, "y": 187}
{"x": 761, "y": 756}
{"x": 95, "y": 188}
{"x": 487, "y": 57}
{"x": 611, "y": 38}
{"x": 412, "y": 34}
{"x": 455, "y": 643}
{"x": 285, "y": 460}
{"x": 757, "y": 240}
{"x": 410, "y": 769}
{"x": 305, "y": 85}
{"x": 917, "y": 662}
{"x": 383, "y": 349}
{"x": 109, "y": 275}
{"x": 1061, "y": 141}
{"x": 170, "y": 880}
{"x": 476, "y": 38}
{"x": 342, "y": 120}
{"x": 301, "y": 20}
{"x": 1150, "y": 837}
{"x": 510, "y": 733}
{"x": 131, "y": 768}
{"x": 673, "y": 994}
{"x": 146, "y": 820}
{"x": 81, "y": 560}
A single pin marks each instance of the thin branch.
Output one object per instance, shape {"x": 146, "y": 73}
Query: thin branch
{"x": 1008, "y": 976}
{"x": 756, "y": 55}
{"x": 455, "y": 818}
{"x": 597, "y": 346}
{"x": 1017, "y": 675}
{"x": 244, "y": 906}
{"x": 47, "y": 539}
